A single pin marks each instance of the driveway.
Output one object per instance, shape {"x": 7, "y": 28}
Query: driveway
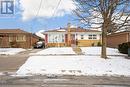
{"x": 12, "y": 63}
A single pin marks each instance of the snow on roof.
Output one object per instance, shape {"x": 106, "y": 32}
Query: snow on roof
{"x": 73, "y": 30}
{"x": 40, "y": 34}
{"x": 73, "y": 26}
{"x": 61, "y": 30}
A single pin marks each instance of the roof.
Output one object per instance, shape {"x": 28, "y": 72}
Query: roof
{"x": 12, "y": 31}
{"x": 73, "y": 30}
{"x": 118, "y": 33}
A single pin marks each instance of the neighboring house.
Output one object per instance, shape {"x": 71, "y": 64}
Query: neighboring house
{"x": 72, "y": 36}
{"x": 113, "y": 40}
{"x": 16, "y": 38}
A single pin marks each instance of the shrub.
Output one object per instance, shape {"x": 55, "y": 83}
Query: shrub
{"x": 92, "y": 44}
{"x": 99, "y": 44}
{"x": 123, "y": 48}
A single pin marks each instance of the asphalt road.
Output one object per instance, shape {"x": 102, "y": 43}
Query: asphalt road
{"x": 64, "y": 81}
{"x": 11, "y": 63}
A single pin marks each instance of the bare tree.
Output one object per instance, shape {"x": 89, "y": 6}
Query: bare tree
{"x": 108, "y": 15}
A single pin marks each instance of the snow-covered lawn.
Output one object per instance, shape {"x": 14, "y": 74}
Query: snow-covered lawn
{"x": 97, "y": 51}
{"x": 10, "y": 51}
{"x": 54, "y": 51}
{"x": 77, "y": 64}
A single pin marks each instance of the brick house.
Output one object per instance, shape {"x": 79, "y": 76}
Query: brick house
{"x": 17, "y": 38}
{"x": 72, "y": 36}
{"x": 113, "y": 40}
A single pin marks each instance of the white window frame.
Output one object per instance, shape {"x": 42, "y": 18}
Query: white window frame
{"x": 82, "y": 37}
{"x": 92, "y": 37}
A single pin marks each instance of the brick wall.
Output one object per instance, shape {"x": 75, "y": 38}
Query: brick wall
{"x": 28, "y": 43}
{"x": 56, "y": 45}
{"x": 4, "y": 41}
{"x": 116, "y": 39}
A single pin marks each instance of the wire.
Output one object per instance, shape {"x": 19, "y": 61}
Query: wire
{"x": 53, "y": 14}
{"x": 37, "y": 13}
{"x": 56, "y": 8}
{"x": 39, "y": 8}
{"x": 41, "y": 1}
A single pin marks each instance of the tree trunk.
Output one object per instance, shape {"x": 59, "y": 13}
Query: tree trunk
{"x": 104, "y": 43}
{"x": 103, "y": 54}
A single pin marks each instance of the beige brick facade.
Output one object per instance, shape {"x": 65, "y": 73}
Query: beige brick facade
{"x": 114, "y": 40}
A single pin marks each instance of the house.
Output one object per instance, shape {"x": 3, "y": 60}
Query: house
{"x": 16, "y": 38}
{"x": 72, "y": 36}
{"x": 113, "y": 40}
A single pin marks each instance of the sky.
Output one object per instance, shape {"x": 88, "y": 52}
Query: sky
{"x": 35, "y": 15}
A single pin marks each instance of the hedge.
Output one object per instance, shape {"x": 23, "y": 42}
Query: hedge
{"x": 123, "y": 48}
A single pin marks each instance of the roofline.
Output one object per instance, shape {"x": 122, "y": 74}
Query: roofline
{"x": 118, "y": 33}
{"x": 24, "y": 32}
{"x": 55, "y": 30}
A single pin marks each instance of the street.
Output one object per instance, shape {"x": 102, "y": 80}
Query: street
{"x": 64, "y": 81}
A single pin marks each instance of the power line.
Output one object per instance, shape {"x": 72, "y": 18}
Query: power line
{"x": 56, "y": 8}
{"x": 37, "y": 13}
{"x": 39, "y": 8}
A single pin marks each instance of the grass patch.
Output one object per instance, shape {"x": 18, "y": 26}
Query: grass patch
{"x": 77, "y": 50}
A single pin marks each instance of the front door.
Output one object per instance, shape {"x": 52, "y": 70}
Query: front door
{"x": 72, "y": 38}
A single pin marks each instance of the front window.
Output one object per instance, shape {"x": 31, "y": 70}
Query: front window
{"x": 21, "y": 38}
{"x": 10, "y": 38}
{"x": 56, "y": 38}
{"x": 90, "y": 37}
{"x": 82, "y": 36}
{"x": 94, "y": 36}
{"x": 63, "y": 38}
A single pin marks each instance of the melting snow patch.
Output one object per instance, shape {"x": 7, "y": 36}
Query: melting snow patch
{"x": 10, "y": 51}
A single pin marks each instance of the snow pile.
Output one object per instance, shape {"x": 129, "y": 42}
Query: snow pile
{"x": 1, "y": 74}
{"x": 76, "y": 64}
{"x": 10, "y": 51}
{"x": 40, "y": 34}
{"x": 54, "y": 51}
